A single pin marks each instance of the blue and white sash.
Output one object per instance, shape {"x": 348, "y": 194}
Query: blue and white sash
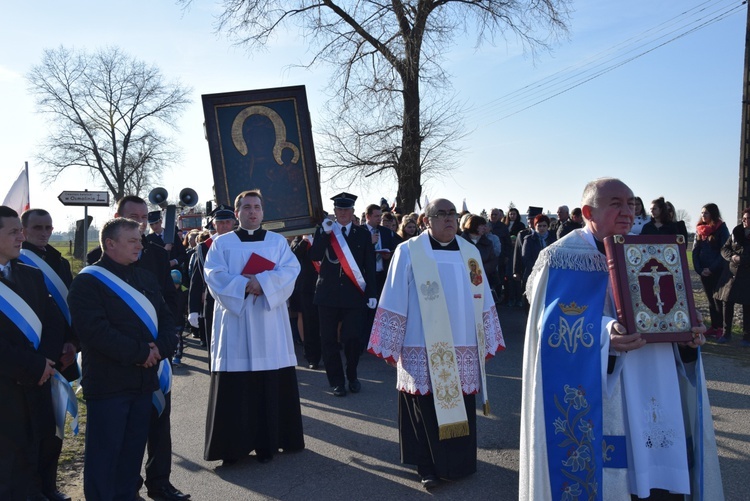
{"x": 21, "y": 314}
{"x": 55, "y": 285}
{"x": 63, "y": 401}
{"x": 570, "y": 352}
{"x": 146, "y": 312}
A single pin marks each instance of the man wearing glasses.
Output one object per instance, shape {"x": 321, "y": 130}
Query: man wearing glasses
{"x": 437, "y": 323}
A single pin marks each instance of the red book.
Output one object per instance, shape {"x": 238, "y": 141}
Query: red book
{"x": 257, "y": 264}
{"x": 651, "y": 285}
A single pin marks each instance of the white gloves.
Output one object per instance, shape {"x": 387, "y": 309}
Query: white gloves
{"x": 327, "y": 225}
{"x": 193, "y": 319}
{"x": 372, "y": 303}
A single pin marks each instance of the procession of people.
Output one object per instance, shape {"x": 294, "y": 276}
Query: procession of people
{"x": 428, "y": 298}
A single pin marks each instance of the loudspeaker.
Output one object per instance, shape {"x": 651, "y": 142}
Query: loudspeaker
{"x": 188, "y": 197}
{"x": 158, "y": 196}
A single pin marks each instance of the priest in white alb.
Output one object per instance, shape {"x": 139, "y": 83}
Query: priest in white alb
{"x": 438, "y": 326}
{"x": 254, "y": 398}
{"x": 604, "y": 415}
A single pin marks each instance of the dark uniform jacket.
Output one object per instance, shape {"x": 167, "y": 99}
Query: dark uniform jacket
{"x": 26, "y": 405}
{"x": 334, "y": 288}
{"x": 61, "y": 266}
{"x": 113, "y": 338}
{"x": 178, "y": 252}
{"x": 196, "y": 304}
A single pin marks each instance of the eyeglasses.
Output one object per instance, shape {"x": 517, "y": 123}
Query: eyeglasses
{"x": 445, "y": 215}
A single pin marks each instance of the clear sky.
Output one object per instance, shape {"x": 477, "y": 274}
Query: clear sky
{"x": 667, "y": 123}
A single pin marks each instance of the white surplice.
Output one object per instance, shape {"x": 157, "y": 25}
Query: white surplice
{"x": 250, "y": 333}
{"x": 398, "y": 335}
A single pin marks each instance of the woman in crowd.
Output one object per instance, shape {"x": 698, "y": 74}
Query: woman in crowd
{"x": 734, "y": 284}
{"x": 389, "y": 221}
{"x": 474, "y": 230}
{"x": 532, "y": 245}
{"x": 512, "y": 220}
{"x": 661, "y": 223}
{"x": 710, "y": 235}
{"x": 641, "y": 217}
{"x": 407, "y": 229}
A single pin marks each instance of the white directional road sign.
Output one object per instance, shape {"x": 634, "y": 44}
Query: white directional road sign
{"x": 84, "y": 198}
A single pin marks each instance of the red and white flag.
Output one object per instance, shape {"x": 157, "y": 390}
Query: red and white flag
{"x": 18, "y": 195}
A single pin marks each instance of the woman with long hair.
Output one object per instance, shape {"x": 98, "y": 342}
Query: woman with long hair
{"x": 710, "y": 235}
{"x": 407, "y": 229}
{"x": 474, "y": 230}
{"x": 734, "y": 284}
{"x": 661, "y": 222}
{"x": 641, "y": 217}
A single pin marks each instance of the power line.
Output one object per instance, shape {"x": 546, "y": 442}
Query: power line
{"x": 562, "y": 81}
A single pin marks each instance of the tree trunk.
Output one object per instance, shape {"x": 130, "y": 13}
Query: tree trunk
{"x": 409, "y": 172}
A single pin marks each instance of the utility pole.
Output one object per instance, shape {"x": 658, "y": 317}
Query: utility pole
{"x": 744, "y": 194}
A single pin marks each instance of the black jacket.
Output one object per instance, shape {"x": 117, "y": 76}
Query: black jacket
{"x": 114, "y": 340}
{"x": 334, "y": 288}
{"x": 26, "y": 405}
{"x": 61, "y": 266}
{"x": 734, "y": 283}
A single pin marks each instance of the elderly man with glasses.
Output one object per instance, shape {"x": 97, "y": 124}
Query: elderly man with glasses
{"x": 437, "y": 323}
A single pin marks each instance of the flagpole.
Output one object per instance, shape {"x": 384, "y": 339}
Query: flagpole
{"x": 28, "y": 191}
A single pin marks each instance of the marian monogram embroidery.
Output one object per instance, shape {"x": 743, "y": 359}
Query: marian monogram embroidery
{"x": 446, "y": 388}
{"x": 571, "y": 335}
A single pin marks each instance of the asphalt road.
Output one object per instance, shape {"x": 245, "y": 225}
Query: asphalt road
{"x": 352, "y": 449}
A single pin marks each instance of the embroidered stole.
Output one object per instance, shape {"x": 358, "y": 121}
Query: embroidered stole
{"x": 346, "y": 259}
{"x": 146, "y": 312}
{"x": 571, "y": 369}
{"x": 21, "y": 314}
{"x": 55, "y": 285}
{"x": 441, "y": 354}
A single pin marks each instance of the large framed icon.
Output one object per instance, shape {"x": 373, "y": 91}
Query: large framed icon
{"x": 651, "y": 284}
{"x": 262, "y": 139}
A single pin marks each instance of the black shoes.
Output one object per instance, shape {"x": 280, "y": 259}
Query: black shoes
{"x": 56, "y": 496}
{"x": 313, "y": 366}
{"x": 355, "y": 386}
{"x": 167, "y": 492}
{"x": 430, "y": 481}
{"x": 339, "y": 391}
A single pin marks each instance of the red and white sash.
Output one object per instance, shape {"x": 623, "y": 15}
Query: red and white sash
{"x": 344, "y": 255}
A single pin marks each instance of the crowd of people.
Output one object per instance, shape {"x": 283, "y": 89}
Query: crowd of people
{"x": 422, "y": 291}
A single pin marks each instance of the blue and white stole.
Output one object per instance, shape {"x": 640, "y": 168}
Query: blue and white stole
{"x": 570, "y": 351}
{"x": 20, "y": 313}
{"x": 146, "y": 312}
{"x": 55, "y": 285}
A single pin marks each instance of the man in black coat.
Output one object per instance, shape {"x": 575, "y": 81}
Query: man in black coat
{"x": 177, "y": 252}
{"x": 305, "y": 286}
{"x": 200, "y": 300}
{"x": 343, "y": 292}
{"x": 155, "y": 259}
{"x": 26, "y": 370}
{"x": 37, "y": 229}
{"x": 384, "y": 242}
{"x": 121, "y": 357}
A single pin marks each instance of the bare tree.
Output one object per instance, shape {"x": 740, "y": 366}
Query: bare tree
{"x": 387, "y": 57}
{"x": 683, "y": 215}
{"x": 109, "y": 113}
